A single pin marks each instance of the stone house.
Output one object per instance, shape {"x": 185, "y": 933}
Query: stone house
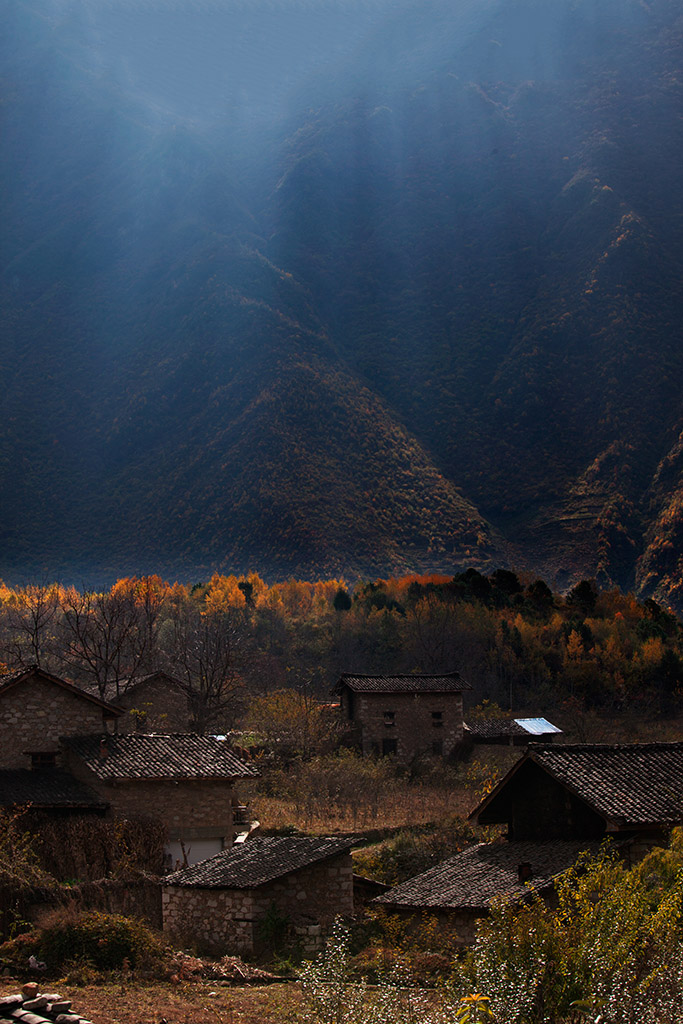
{"x": 227, "y": 903}
{"x": 153, "y": 703}
{"x": 184, "y": 780}
{"x": 36, "y": 708}
{"x": 404, "y": 715}
{"x": 555, "y": 802}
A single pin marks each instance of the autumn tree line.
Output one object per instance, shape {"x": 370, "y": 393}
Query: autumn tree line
{"x": 237, "y": 639}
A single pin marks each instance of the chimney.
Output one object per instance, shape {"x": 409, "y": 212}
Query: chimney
{"x": 524, "y": 872}
{"x": 104, "y": 749}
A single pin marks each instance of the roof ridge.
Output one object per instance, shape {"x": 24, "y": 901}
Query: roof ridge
{"x": 650, "y": 745}
{"x": 400, "y": 675}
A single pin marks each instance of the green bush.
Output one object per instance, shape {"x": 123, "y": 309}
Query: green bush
{"x": 103, "y": 941}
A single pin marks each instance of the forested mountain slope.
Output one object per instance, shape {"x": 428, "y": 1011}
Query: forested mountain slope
{"x": 364, "y": 288}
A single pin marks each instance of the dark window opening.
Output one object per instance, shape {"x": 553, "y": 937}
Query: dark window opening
{"x": 44, "y": 759}
{"x": 389, "y": 747}
{"x": 437, "y": 719}
{"x": 390, "y": 718}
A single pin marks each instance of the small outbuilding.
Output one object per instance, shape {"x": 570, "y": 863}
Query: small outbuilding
{"x": 223, "y": 905}
{"x": 516, "y": 732}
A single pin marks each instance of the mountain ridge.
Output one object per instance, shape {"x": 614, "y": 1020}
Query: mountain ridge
{"x": 429, "y": 319}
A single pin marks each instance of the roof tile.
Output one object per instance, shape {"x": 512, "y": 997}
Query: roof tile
{"x": 157, "y": 756}
{"x": 47, "y": 787}
{"x": 474, "y": 877}
{"x": 633, "y": 784}
{"x": 258, "y": 861}
{"x": 449, "y": 682}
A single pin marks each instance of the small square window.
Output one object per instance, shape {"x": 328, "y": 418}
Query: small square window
{"x": 44, "y": 759}
{"x": 390, "y": 718}
{"x": 437, "y": 719}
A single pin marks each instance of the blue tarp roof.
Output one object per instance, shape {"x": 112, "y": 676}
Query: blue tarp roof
{"x": 537, "y": 726}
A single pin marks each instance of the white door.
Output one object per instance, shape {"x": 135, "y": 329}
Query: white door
{"x": 194, "y": 850}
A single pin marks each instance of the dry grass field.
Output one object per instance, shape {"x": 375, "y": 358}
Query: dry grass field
{"x": 197, "y": 1002}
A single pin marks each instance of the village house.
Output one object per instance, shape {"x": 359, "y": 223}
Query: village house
{"x": 184, "y": 780}
{"x": 36, "y": 708}
{"x": 224, "y": 904}
{"x": 555, "y": 802}
{"x": 590, "y": 791}
{"x": 403, "y": 715}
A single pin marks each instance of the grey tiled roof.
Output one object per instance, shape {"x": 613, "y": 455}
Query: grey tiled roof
{"x": 633, "y": 784}
{"x": 157, "y": 756}
{"x": 47, "y": 787}
{"x": 488, "y": 728}
{"x": 473, "y": 878}
{"x": 257, "y": 861}
{"x": 449, "y": 682}
{"x": 485, "y": 728}
{"x": 10, "y": 679}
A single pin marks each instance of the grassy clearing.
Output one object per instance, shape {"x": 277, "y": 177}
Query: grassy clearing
{"x": 405, "y": 806}
{"x": 346, "y": 793}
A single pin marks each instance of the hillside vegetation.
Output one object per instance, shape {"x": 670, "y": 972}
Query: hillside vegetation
{"x": 384, "y": 291}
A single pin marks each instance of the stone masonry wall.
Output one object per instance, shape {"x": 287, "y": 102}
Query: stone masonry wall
{"x": 312, "y": 895}
{"x": 216, "y": 921}
{"x": 35, "y": 713}
{"x": 189, "y": 808}
{"x": 413, "y": 725}
{"x": 157, "y": 706}
{"x": 223, "y": 921}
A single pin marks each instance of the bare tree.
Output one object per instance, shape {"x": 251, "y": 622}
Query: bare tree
{"x": 29, "y": 621}
{"x": 203, "y": 651}
{"x": 107, "y": 638}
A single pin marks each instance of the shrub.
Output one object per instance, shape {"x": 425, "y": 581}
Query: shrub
{"x": 412, "y": 851}
{"x": 103, "y": 941}
{"x": 613, "y": 942}
{"x": 19, "y": 862}
{"x": 332, "y": 997}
